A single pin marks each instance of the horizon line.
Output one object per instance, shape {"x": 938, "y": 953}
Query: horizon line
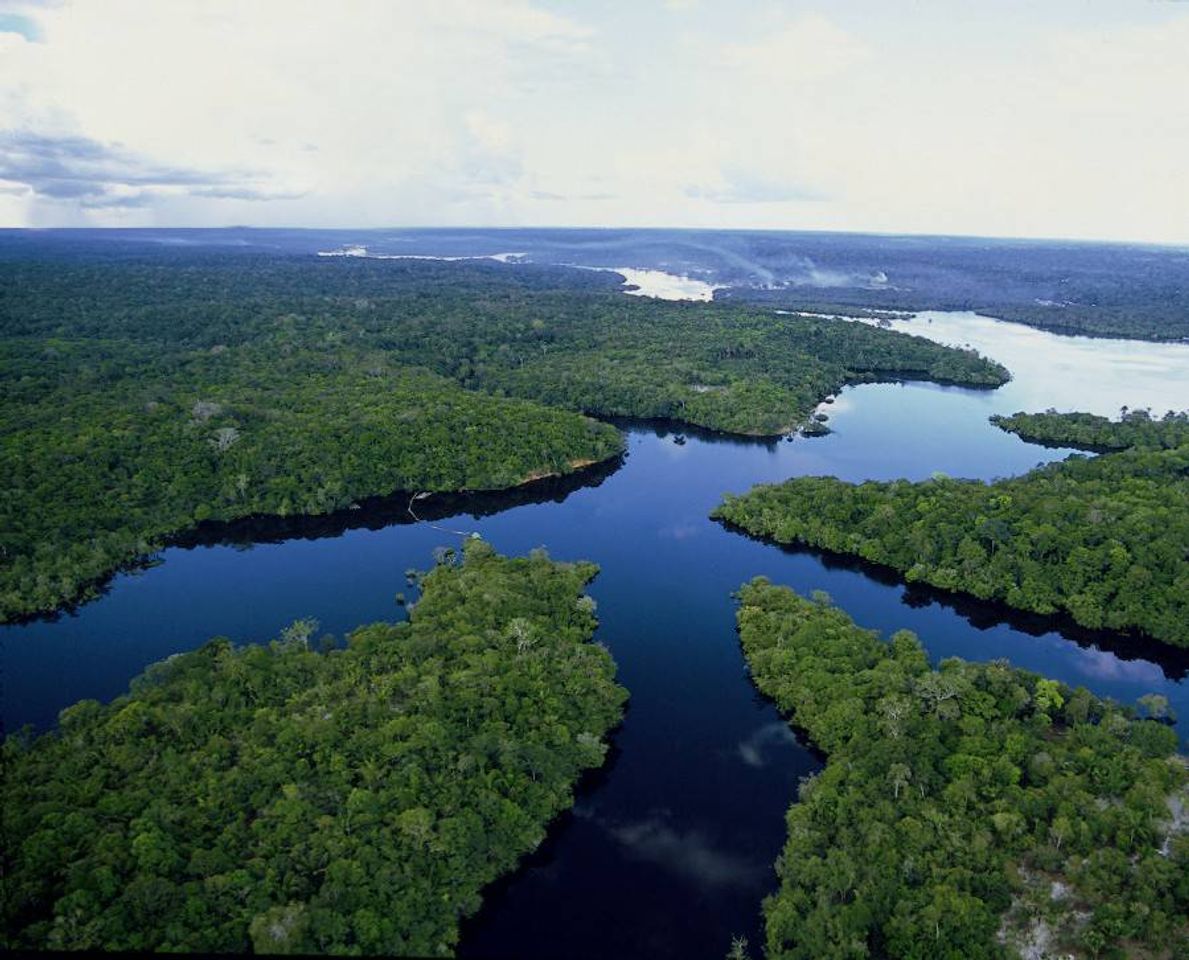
{"x": 1181, "y": 245}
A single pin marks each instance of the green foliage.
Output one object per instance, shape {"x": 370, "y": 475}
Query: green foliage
{"x": 1103, "y": 539}
{"x": 1135, "y": 428}
{"x": 276, "y": 798}
{"x": 142, "y": 396}
{"x": 952, "y": 798}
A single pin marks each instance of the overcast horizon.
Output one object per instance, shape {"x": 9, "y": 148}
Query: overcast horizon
{"x": 1062, "y": 122}
{"x": 556, "y": 228}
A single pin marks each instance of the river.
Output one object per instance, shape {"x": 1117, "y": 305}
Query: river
{"x": 669, "y": 849}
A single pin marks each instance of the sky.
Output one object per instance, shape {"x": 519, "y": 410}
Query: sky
{"x": 1068, "y": 118}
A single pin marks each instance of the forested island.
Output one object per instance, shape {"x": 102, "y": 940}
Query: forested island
{"x": 1103, "y": 539}
{"x": 966, "y": 811}
{"x": 1087, "y": 431}
{"x": 146, "y": 393}
{"x": 313, "y": 798}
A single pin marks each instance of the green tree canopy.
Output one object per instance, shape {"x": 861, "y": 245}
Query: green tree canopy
{"x": 960, "y": 808}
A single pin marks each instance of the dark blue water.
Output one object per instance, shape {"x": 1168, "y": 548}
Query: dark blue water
{"x": 669, "y": 849}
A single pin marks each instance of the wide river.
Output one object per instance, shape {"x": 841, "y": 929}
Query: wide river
{"x": 670, "y": 847}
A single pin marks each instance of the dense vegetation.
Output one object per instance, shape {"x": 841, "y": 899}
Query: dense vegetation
{"x": 289, "y": 800}
{"x": 1105, "y": 539}
{"x": 522, "y": 331}
{"x": 145, "y": 393}
{"x": 1134, "y": 428}
{"x": 1127, "y": 316}
{"x": 962, "y": 810}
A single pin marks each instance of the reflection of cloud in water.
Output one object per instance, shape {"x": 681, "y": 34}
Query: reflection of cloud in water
{"x": 1103, "y": 665}
{"x": 769, "y": 735}
{"x": 689, "y": 854}
{"x": 680, "y": 531}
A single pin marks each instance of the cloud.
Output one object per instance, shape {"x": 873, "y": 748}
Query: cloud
{"x": 385, "y": 111}
{"x": 399, "y": 112}
{"x": 687, "y": 853}
{"x": 1102, "y": 665}
{"x": 680, "y": 531}
{"x": 552, "y": 197}
{"x": 95, "y": 174}
{"x": 487, "y": 153}
{"x": 257, "y": 194}
{"x": 805, "y": 49}
{"x": 752, "y": 750}
{"x": 739, "y": 185}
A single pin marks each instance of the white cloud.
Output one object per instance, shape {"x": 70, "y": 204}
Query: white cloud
{"x": 795, "y": 52}
{"x": 393, "y": 112}
{"x": 390, "y": 96}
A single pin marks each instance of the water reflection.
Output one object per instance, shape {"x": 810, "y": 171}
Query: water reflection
{"x": 688, "y": 853}
{"x": 755, "y": 750}
{"x": 1152, "y": 660}
{"x": 376, "y": 513}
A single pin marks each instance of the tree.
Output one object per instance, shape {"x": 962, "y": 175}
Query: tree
{"x": 1004, "y": 793}
{"x": 899, "y": 776}
{"x": 280, "y": 930}
{"x": 1156, "y": 707}
{"x": 1048, "y": 696}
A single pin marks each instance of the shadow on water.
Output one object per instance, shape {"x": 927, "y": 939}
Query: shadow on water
{"x": 368, "y": 513}
{"x": 496, "y": 894}
{"x": 984, "y": 615}
{"x": 376, "y": 513}
{"x": 664, "y": 427}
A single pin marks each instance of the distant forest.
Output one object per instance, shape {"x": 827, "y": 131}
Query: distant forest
{"x": 1096, "y": 289}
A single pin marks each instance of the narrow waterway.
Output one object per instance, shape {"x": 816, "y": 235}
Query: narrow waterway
{"x": 669, "y": 849}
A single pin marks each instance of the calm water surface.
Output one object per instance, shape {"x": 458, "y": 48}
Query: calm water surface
{"x": 670, "y": 848}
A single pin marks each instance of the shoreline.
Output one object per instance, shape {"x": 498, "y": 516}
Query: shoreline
{"x": 364, "y": 508}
